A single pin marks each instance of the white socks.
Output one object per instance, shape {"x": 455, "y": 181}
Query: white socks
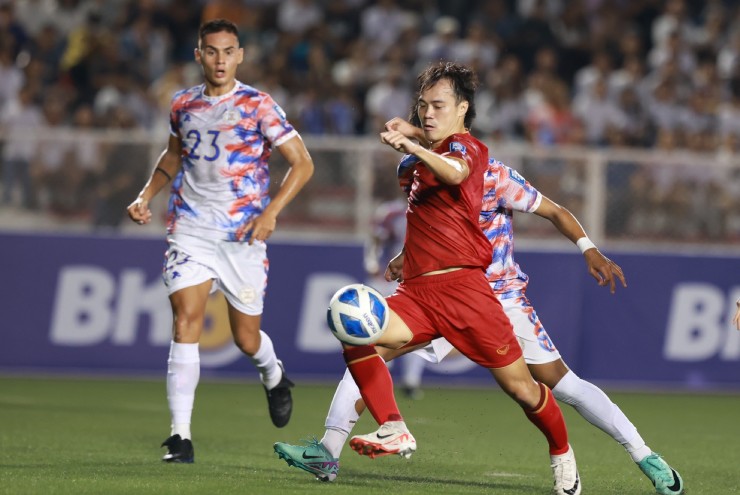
{"x": 413, "y": 370}
{"x": 342, "y": 415}
{"x": 183, "y": 373}
{"x": 267, "y": 362}
{"x": 596, "y": 407}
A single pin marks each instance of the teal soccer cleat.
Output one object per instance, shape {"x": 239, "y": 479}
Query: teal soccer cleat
{"x": 665, "y": 479}
{"x": 312, "y": 457}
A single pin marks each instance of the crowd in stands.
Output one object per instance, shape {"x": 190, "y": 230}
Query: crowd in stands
{"x": 638, "y": 73}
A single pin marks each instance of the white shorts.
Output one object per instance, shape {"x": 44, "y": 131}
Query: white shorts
{"x": 236, "y": 268}
{"x": 537, "y": 347}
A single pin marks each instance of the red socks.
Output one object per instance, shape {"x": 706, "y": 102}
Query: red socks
{"x": 548, "y": 417}
{"x": 376, "y": 385}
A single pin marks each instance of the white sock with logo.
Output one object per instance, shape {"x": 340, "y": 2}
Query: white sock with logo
{"x": 342, "y": 415}
{"x": 266, "y": 362}
{"x": 596, "y": 407}
{"x": 183, "y": 374}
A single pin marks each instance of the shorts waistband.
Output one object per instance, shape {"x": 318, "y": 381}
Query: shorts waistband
{"x": 443, "y": 278}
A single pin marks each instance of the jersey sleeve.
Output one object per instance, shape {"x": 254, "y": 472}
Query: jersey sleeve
{"x": 513, "y": 190}
{"x": 458, "y": 149}
{"x": 273, "y": 122}
{"x": 176, "y": 104}
{"x": 405, "y": 172}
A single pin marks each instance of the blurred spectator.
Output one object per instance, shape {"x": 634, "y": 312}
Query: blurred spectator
{"x": 20, "y": 118}
{"x": 11, "y": 77}
{"x": 298, "y": 16}
{"x": 381, "y": 24}
{"x": 601, "y": 113}
{"x": 551, "y": 121}
{"x": 121, "y": 176}
{"x": 476, "y": 48}
{"x": 35, "y": 15}
{"x": 389, "y": 97}
{"x": 441, "y": 43}
{"x": 12, "y": 30}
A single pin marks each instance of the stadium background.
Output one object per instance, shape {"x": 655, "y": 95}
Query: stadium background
{"x": 627, "y": 112}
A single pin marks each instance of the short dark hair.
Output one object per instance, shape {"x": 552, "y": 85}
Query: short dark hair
{"x": 217, "y": 26}
{"x": 463, "y": 80}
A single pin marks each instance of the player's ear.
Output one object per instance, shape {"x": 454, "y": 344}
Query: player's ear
{"x": 462, "y": 108}
{"x": 241, "y": 55}
{"x": 196, "y": 54}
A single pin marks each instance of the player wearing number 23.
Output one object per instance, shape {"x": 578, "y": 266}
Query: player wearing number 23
{"x": 221, "y": 136}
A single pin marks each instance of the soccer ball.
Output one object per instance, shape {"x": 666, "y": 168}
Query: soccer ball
{"x": 358, "y": 314}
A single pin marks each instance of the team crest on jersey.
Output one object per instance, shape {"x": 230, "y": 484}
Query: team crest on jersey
{"x": 459, "y": 147}
{"x": 514, "y": 175}
{"x": 231, "y": 117}
{"x": 279, "y": 111}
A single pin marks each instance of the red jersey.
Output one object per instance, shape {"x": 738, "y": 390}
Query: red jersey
{"x": 442, "y": 220}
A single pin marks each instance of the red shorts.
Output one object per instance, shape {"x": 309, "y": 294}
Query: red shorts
{"x": 461, "y": 307}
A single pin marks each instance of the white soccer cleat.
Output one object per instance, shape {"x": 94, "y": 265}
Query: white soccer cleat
{"x": 391, "y": 438}
{"x": 565, "y": 473}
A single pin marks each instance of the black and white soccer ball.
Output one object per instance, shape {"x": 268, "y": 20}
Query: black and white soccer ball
{"x": 358, "y": 314}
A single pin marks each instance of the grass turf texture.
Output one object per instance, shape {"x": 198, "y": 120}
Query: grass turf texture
{"x": 91, "y": 436}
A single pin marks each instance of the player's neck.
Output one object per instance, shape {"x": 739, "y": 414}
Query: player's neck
{"x": 221, "y": 90}
{"x": 435, "y": 144}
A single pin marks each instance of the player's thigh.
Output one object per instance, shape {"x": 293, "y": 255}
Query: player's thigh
{"x": 397, "y": 334}
{"x": 537, "y": 347}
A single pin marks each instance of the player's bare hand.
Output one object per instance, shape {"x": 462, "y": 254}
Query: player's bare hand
{"x": 402, "y": 126}
{"x": 394, "y": 271}
{"x": 262, "y": 227}
{"x": 139, "y": 211}
{"x": 604, "y": 270}
{"x": 736, "y": 319}
{"x": 398, "y": 141}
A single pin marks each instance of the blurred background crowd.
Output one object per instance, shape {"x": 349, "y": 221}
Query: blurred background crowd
{"x": 595, "y": 74}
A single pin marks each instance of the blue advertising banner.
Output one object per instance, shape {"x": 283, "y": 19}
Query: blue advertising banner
{"x": 97, "y": 304}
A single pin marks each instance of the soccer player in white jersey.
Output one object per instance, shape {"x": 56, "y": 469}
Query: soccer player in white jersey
{"x": 219, "y": 217}
{"x": 505, "y": 191}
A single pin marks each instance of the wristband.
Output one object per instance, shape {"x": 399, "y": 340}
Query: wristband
{"x": 584, "y": 243}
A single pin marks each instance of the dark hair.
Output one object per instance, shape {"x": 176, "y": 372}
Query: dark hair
{"x": 217, "y": 26}
{"x": 463, "y": 80}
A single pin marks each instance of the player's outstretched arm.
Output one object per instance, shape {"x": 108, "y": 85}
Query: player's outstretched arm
{"x": 736, "y": 319}
{"x": 168, "y": 165}
{"x": 301, "y": 169}
{"x": 604, "y": 270}
{"x": 447, "y": 170}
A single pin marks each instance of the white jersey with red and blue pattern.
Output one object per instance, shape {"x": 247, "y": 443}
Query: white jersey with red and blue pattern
{"x": 227, "y": 141}
{"x": 505, "y": 191}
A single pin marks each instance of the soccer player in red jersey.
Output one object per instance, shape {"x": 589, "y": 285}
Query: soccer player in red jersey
{"x": 444, "y": 291}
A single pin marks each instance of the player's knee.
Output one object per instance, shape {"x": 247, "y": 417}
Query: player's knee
{"x": 525, "y": 392}
{"x": 187, "y": 327}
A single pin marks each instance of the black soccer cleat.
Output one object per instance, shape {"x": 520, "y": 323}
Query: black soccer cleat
{"x": 178, "y": 450}
{"x": 280, "y": 400}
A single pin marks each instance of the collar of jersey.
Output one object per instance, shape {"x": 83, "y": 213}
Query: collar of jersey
{"x": 218, "y": 98}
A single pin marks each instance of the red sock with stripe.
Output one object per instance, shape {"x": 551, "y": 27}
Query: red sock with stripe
{"x": 374, "y": 380}
{"x": 548, "y": 417}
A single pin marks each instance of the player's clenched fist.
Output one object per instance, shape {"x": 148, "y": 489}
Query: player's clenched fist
{"x": 139, "y": 211}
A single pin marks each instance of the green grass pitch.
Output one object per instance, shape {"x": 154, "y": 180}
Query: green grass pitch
{"x": 102, "y": 436}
